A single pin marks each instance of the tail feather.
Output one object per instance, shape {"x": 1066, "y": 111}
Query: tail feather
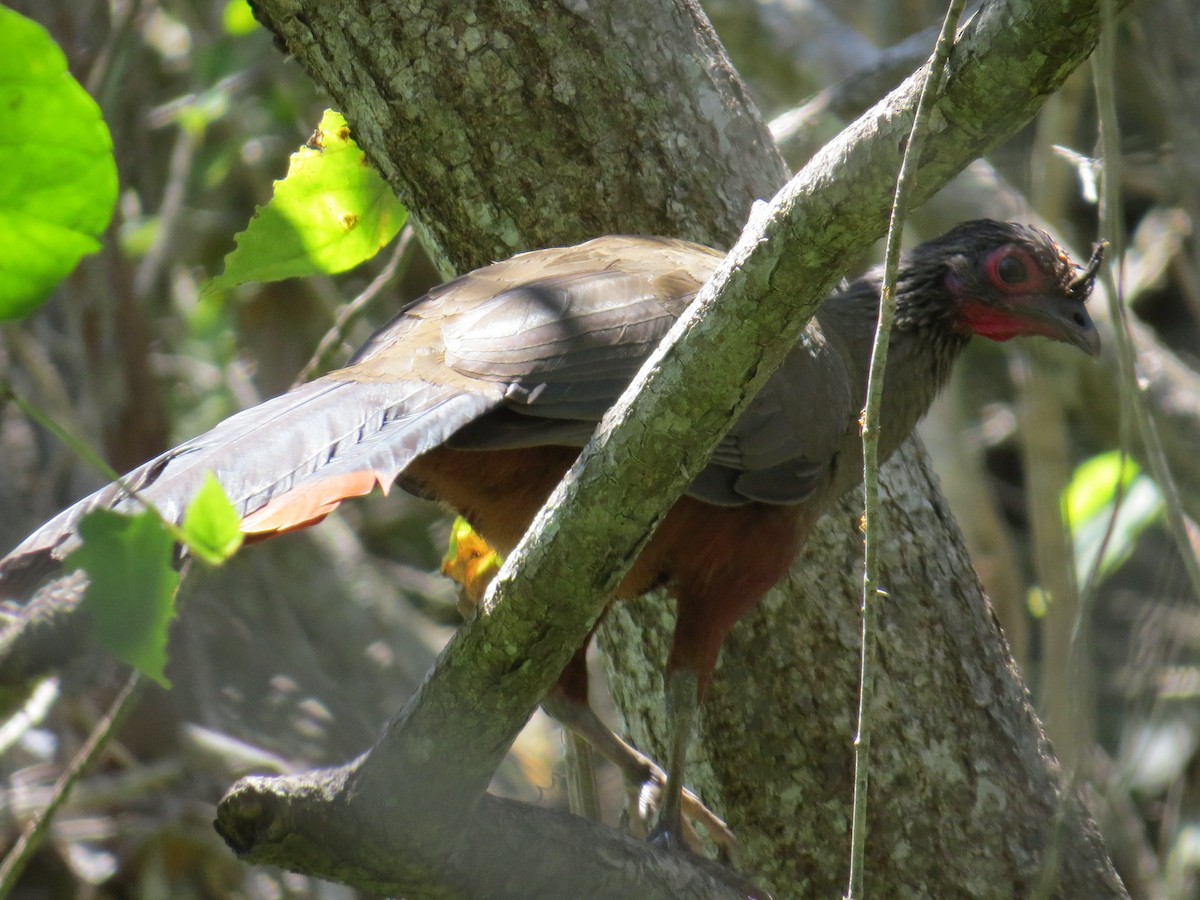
{"x": 329, "y": 439}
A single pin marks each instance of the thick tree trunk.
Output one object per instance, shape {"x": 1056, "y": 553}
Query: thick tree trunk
{"x": 966, "y": 799}
{"x": 512, "y": 125}
{"x": 508, "y": 126}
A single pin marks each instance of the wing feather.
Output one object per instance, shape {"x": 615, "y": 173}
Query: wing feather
{"x": 346, "y": 436}
{"x": 567, "y": 345}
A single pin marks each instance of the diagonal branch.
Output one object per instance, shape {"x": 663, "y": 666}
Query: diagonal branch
{"x": 742, "y": 324}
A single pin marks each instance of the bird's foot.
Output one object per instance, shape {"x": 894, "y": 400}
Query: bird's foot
{"x": 645, "y": 780}
{"x": 645, "y": 791}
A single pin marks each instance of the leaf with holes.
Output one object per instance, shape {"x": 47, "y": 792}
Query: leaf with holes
{"x": 331, "y": 212}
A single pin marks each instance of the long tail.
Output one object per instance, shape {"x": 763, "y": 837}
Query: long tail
{"x": 285, "y": 464}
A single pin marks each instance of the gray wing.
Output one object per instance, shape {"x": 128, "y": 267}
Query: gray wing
{"x": 289, "y": 461}
{"x": 566, "y": 347}
{"x": 784, "y": 446}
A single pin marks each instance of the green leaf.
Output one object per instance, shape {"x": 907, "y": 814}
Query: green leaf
{"x": 1094, "y": 484}
{"x": 331, "y": 212}
{"x": 1088, "y": 502}
{"x": 211, "y": 524}
{"x": 238, "y": 18}
{"x": 58, "y": 180}
{"x": 131, "y": 586}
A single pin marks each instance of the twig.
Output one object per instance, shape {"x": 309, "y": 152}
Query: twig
{"x": 870, "y": 433}
{"x": 89, "y": 456}
{"x": 1110, "y": 228}
{"x": 319, "y": 361}
{"x": 34, "y": 832}
{"x": 32, "y": 713}
{"x": 183, "y": 154}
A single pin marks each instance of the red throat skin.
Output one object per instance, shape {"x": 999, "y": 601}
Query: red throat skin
{"x": 995, "y": 324}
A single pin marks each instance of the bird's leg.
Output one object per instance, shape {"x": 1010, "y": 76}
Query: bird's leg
{"x": 682, "y": 703}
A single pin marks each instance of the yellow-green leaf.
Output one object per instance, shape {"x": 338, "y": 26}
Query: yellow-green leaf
{"x": 1088, "y": 502}
{"x": 210, "y": 524}
{"x": 331, "y": 212}
{"x": 1094, "y": 484}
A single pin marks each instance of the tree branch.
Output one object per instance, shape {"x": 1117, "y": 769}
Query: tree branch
{"x": 315, "y": 823}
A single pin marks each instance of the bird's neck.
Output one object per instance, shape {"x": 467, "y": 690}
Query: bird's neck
{"x": 925, "y": 344}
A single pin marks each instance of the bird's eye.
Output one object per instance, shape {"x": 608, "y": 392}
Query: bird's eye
{"x": 1011, "y": 270}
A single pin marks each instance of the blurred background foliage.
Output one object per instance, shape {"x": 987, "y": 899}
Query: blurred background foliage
{"x": 295, "y": 654}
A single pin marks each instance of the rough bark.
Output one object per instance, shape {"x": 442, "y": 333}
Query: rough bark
{"x": 512, "y": 125}
{"x": 965, "y": 798}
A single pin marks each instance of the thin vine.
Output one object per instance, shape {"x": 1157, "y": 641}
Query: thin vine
{"x": 870, "y": 434}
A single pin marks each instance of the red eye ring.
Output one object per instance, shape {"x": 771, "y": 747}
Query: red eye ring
{"x": 1010, "y": 269}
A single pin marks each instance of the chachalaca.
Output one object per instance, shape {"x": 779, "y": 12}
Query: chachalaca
{"x": 481, "y": 394}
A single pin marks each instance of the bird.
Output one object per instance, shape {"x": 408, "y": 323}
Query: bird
{"x": 481, "y": 394}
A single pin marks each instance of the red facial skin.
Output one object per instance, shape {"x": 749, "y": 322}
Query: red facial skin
{"x": 1018, "y": 279}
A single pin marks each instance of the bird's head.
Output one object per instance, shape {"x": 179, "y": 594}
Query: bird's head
{"x": 1007, "y": 280}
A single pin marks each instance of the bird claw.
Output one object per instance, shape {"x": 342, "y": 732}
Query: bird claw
{"x": 645, "y": 800}
{"x": 645, "y": 780}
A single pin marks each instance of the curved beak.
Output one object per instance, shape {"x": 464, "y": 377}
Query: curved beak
{"x": 1063, "y": 319}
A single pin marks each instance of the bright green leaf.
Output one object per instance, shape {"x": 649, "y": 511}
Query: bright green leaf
{"x": 1141, "y": 507}
{"x": 58, "y": 180}
{"x": 210, "y": 524}
{"x": 131, "y": 586}
{"x": 329, "y": 214}
{"x": 1094, "y": 484}
{"x": 238, "y": 18}
{"x": 1088, "y": 502}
